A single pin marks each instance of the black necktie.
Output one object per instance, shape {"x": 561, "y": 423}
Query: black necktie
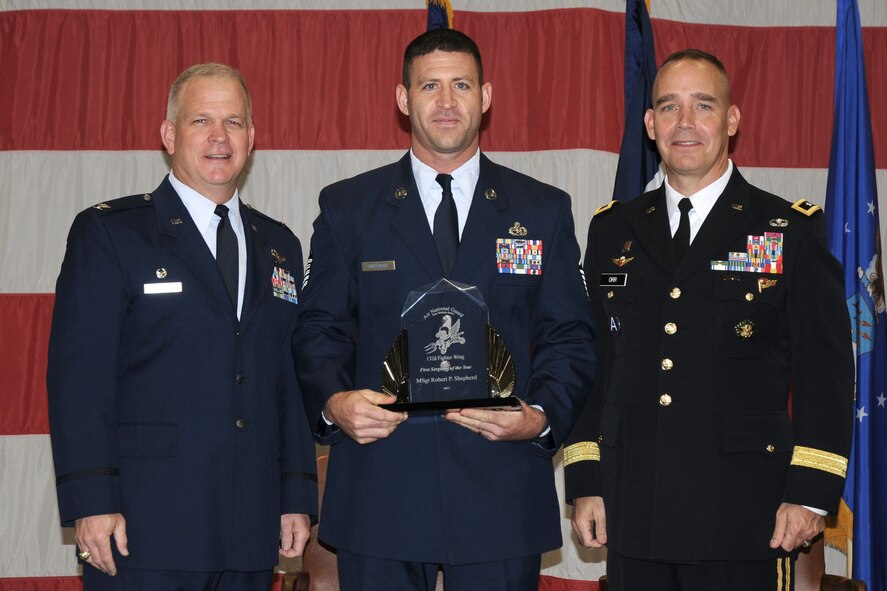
{"x": 681, "y": 238}
{"x": 446, "y": 226}
{"x": 226, "y": 252}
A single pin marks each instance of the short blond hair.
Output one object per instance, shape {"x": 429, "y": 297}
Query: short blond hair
{"x": 210, "y": 70}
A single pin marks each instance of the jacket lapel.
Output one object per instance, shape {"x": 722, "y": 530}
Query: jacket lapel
{"x": 651, "y": 221}
{"x": 409, "y": 220}
{"x": 729, "y": 218}
{"x": 483, "y": 224}
{"x": 177, "y": 227}
{"x": 258, "y": 268}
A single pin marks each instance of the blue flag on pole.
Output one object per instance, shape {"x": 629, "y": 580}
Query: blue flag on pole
{"x": 638, "y": 157}
{"x": 440, "y": 14}
{"x": 854, "y": 238}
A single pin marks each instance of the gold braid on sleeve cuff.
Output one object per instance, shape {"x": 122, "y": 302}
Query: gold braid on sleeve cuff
{"x": 818, "y": 459}
{"x": 582, "y": 452}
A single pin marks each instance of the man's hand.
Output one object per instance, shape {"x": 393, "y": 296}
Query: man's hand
{"x": 501, "y": 425}
{"x": 795, "y": 525}
{"x": 93, "y": 535}
{"x": 589, "y": 521}
{"x": 356, "y": 412}
{"x": 295, "y": 528}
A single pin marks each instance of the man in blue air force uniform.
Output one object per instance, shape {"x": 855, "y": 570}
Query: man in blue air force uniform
{"x": 471, "y": 492}
{"x": 715, "y": 301}
{"x": 182, "y": 453}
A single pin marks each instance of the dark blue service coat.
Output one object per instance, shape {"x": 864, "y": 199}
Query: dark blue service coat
{"x": 163, "y": 406}
{"x": 434, "y": 491}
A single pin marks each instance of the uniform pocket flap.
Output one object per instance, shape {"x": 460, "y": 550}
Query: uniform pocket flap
{"x": 610, "y": 420}
{"x": 764, "y": 432}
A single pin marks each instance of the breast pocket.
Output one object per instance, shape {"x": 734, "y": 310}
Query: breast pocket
{"x": 746, "y": 312}
{"x": 622, "y": 324}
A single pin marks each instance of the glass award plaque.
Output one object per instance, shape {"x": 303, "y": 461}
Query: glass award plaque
{"x": 447, "y": 356}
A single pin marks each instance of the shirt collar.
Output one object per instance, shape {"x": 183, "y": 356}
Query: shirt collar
{"x": 202, "y": 209}
{"x": 704, "y": 199}
{"x": 464, "y": 178}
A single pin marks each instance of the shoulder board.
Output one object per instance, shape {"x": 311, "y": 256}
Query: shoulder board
{"x": 259, "y": 214}
{"x": 124, "y": 203}
{"x": 604, "y": 208}
{"x": 805, "y": 207}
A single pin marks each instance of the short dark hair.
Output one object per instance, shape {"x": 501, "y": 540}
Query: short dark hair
{"x": 449, "y": 40}
{"x": 697, "y": 55}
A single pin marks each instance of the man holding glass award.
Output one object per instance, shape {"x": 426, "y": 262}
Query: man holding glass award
{"x": 445, "y": 348}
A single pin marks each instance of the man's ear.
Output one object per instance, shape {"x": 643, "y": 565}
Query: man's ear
{"x": 401, "y": 94}
{"x": 168, "y": 136}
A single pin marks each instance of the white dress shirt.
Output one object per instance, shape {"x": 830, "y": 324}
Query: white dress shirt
{"x": 203, "y": 212}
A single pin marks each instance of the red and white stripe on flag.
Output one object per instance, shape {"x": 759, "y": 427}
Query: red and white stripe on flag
{"x": 84, "y": 92}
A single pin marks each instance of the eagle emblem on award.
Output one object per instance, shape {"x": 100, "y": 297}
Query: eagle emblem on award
{"x": 447, "y": 355}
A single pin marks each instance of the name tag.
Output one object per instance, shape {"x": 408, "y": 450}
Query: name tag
{"x": 377, "y": 266}
{"x": 614, "y": 279}
{"x": 165, "y": 287}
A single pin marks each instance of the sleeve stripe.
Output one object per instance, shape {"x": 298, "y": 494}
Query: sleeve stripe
{"x": 582, "y": 452}
{"x": 817, "y": 459}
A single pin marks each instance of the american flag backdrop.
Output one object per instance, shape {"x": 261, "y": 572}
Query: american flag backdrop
{"x": 83, "y": 87}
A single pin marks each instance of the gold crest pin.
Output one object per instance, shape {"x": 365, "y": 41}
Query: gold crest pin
{"x": 765, "y": 283}
{"x": 490, "y": 194}
{"x": 278, "y": 258}
{"x": 745, "y": 329}
{"x": 517, "y": 230}
{"x": 737, "y": 206}
{"x": 400, "y": 193}
{"x": 161, "y": 273}
{"x": 101, "y": 206}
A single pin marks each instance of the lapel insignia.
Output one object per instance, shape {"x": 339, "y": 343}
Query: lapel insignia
{"x": 490, "y": 194}
{"x": 805, "y": 207}
{"x": 400, "y": 193}
{"x": 737, "y": 206}
{"x": 623, "y": 260}
{"x": 253, "y": 227}
{"x": 763, "y": 254}
{"x": 626, "y": 247}
{"x": 745, "y": 329}
{"x": 778, "y": 223}
{"x": 278, "y": 258}
{"x": 517, "y": 230}
{"x": 101, "y": 206}
{"x": 175, "y": 221}
{"x": 765, "y": 283}
{"x": 651, "y": 209}
{"x": 284, "y": 285}
{"x": 519, "y": 256}
{"x": 161, "y": 273}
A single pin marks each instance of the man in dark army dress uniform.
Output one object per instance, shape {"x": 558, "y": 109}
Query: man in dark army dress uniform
{"x": 718, "y": 431}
